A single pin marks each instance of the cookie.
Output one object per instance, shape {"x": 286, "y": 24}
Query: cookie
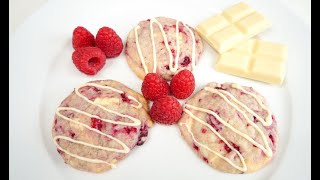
{"x": 98, "y": 124}
{"x": 164, "y": 46}
{"x": 230, "y": 127}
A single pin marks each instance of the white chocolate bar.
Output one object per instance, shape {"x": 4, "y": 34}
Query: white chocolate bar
{"x": 255, "y": 59}
{"x": 234, "y": 25}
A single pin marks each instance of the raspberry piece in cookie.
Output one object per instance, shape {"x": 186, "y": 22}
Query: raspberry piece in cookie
{"x": 96, "y": 123}
{"x": 166, "y": 110}
{"x": 82, "y": 38}
{"x": 109, "y": 42}
{"x": 182, "y": 84}
{"x": 154, "y": 87}
{"x": 89, "y": 60}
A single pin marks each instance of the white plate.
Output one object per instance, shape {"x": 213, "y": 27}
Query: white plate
{"x": 42, "y": 74}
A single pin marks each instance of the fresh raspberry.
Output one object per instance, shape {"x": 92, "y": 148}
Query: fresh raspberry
{"x": 154, "y": 87}
{"x": 82, "y": 38}
{"x": 166, "y": 110}
{"x": 109, "y": 42}
{"x": 182, "y": 84}
{"x": 89, "y": 60}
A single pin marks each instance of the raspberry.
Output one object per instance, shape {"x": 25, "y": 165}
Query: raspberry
{"x": 129, "y": 130}
{"x": 82, "y": 38}
{"x": 226, "y": 147}
{"x": 166, "y": 110}
{"x": 195, "y": 147}
{"x": 186, "y": 61}
{"x": 124, "y": 98}
{"x": 89, "y": 60}
{"x": 203, "y": 130}
{"x": 143, "y": 135}
{"x": 154, "y": 87}
{"x": 72, "y": 134}
{"x": 109, "y": 42}
{"x": 271, "y": 138}
{"x": 215, "y": 123}
{"x": 182, "y": 84}
{"x": 205, "y": 159}
{"x": 96, "y": 123}
{"x": 235, "y": 146}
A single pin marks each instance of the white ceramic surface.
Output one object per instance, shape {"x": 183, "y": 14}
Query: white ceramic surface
{"x": 20, "y": 10}
{"x": 42, "y": 75}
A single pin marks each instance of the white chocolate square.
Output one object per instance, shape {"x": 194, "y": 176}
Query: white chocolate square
{"x": 233, "y": 63}
{"x": 268, "y": 71}
{"x": 226, "y": 37}
{"x": 255, "y": 59}
{"x": 234, "y": 25}
{"x": 212, "y": 25}
{"x": 252, "y": 24}
{"x": 237, "y": 12}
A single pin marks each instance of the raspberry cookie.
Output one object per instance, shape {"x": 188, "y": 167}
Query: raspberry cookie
{"x": 230, "y": 127}
{"x": 99, "y": 124}
{"x": 164, "y": 46}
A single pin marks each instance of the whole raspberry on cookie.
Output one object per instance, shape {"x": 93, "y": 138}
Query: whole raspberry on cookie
{"x": 182, "y": 84}
{"x": 154, "y": 87}
{"x": 81, "y": 37}
{"x": 166, "y": 110}
{"x": 89, "y": 60}
{"x": 109, "y": 42}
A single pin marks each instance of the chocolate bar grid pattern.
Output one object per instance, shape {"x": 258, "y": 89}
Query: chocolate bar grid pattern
{"x": 255, "y": 59}
{"x": 236, "y": 24}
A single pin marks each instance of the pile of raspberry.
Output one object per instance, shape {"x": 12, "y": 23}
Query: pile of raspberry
{"x": 91, "y": 52}
{"x": 166, "y": 109}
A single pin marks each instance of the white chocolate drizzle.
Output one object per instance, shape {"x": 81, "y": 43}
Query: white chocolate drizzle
{"x": 268, "y": 120}
{"x": 193, "y": 57}
{"x": 172, "y": 68}
{"x": 153, "y": 20}
{"x": 125, "y": 148}
{"x": 106, "y": 87}
{"x": 225, "y": 94}
{"x": 139, "y": 50}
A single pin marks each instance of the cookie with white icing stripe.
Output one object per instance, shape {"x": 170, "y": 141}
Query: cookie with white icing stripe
{"x": 162, "y": 45}
{"x": 98, "y": 124}
{"x": 230, "y": 127}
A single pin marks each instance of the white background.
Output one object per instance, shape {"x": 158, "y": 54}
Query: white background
{"x": 21, "y": 9}
{"x": 43, "y": 41}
